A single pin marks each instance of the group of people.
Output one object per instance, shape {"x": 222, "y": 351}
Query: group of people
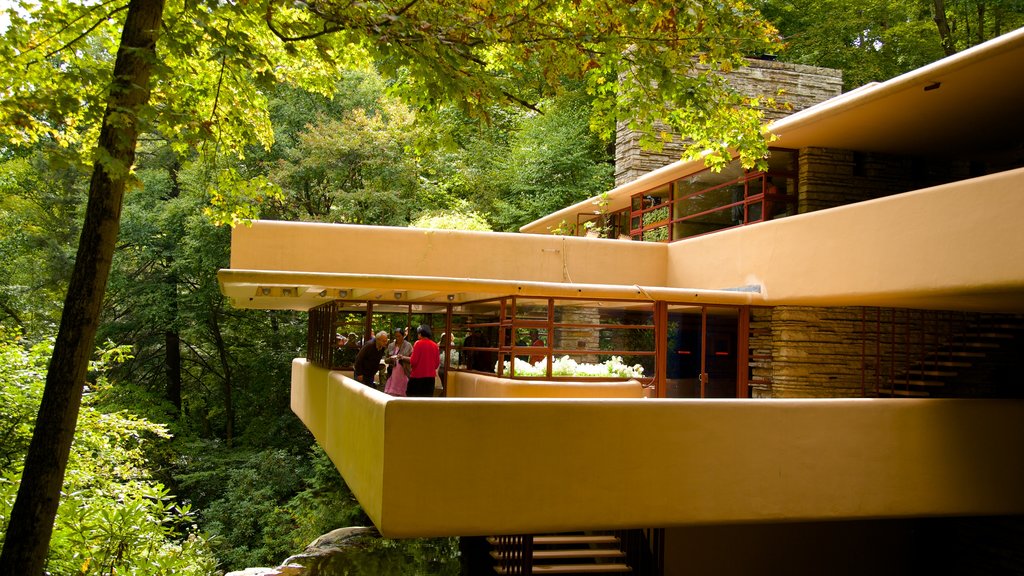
{"x": 411, "y": 366}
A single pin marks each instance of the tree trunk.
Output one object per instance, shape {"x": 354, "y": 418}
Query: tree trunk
{"x": 945, "y": 36}
{"x": 172, "y": 335}
{"x": 981, "y": 22}
{"x": 227, "y": 385}
{"x": 31, "y": 524}
{"x": 172, "y": 365}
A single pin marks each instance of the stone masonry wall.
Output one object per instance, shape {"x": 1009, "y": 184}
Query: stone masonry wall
{"x": 586, "y": 338}
{"x": 830, "y": 177}
{"x": 839, "y": 352}
{"x": 802, "y": 352}
{"x": 802, "y": 86}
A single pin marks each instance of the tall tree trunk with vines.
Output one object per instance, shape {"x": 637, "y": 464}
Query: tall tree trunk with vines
{"x": 27, "y": 541}
{"x": 945, "y": 35}
{"x": 227, "y": 384}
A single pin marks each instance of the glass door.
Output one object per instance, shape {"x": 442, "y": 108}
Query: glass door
{"x": 702, "y": 359}
{"x": 720, "y": 357}
{"x": 684, "y": 354}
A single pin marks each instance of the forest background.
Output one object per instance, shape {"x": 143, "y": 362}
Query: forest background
{"x": 187, "y": 458}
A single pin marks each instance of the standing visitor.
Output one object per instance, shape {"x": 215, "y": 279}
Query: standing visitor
{"x": 446, "y": 361}
{"x": 425, "y": 359}
{"x": 367, "y": 362}
{"x": 399, "y": 352}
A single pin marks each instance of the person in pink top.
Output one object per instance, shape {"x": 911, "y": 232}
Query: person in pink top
{"x": 425, "y": 359}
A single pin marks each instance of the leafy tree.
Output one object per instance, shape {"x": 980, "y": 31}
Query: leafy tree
{"x": 31, "y": 520}
{"x": 879, "y": 39}
{"x": 553, "y": 161}
{"x": 357, "y": 166}
{"x": 964, "y": 23}
{"x": 262, "y": 505}
{"x": 112, "y": 518}
{"x": 40, "y": 209}
{"x": 61, "y": 94}
{"x": 446, "y": 220}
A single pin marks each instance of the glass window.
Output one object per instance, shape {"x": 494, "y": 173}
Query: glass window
{"x": 476, "y": 333}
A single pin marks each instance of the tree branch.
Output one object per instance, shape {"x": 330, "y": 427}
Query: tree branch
{"x": 82, "y": 35}
{"x": 68, "y": 25}
{"x": 522, "y": 102}
{"x": 394, "y": 16}
{"x": 281, "y": 36}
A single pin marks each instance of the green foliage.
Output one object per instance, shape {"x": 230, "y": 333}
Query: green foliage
{"x": 876, "y": 40}
{"x": 40, "y": 210}
{"x": 265, "y": 505}
{"x": 451, "y": 220}
{"x": 554, "y": 160}
{"x": 633, "y": 58}
{"x": 350, "y": 159}
{"x": 655, "y": 216}
{"x": 113, "y": 518}
{"x": 656, "y": 235}
{"x": 20, "y": 372}
{"x": 564, "y": 228}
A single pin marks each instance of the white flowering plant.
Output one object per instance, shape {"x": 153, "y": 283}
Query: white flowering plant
{"x": 614, "y": 367}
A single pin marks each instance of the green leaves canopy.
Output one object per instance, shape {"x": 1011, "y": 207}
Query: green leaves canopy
{"x": 216, "y": 61}
{"x": 635, "y": 57}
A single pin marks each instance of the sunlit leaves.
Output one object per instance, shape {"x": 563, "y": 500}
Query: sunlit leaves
{"x": 353, "y": 160}
{"x": 875, "y": 40}
{"x": 113, "y": 518}
{"x": 634, "y": 56}
{"x": 235, "y": 199}
{"x": 451, "y": 220}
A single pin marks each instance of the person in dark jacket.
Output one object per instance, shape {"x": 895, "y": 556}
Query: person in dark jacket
{"x": 367, "y": 362}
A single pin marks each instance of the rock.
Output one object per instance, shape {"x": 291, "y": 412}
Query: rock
{"x": 317, "y": 556}
{"x": 336, "y": 538}
{"x": 260, "y": 572}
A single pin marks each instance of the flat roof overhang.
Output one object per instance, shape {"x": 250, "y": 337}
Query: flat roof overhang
{"x": 951, "y": 247}
{"x": 425, "y": 467}
{"x": 963, "y": 106}
{"x": 304, "y": 290}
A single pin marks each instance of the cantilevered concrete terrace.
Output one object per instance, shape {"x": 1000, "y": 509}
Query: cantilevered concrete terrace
{"x": 474, "y": 466}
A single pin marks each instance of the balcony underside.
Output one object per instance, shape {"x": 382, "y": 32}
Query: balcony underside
{"x": 467, "y": 466}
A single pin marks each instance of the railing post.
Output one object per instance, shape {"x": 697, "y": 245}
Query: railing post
{"x": 515, "y": 554}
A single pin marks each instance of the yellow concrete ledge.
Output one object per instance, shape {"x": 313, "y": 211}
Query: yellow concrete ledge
{"x": 954, "y": 247}
{"x": 457, "y": 466}
{"x": 331, "y": 248}
{"x": 470, "y": 385}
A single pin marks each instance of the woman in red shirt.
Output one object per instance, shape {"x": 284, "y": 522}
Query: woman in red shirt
{"x": 425, "y": 359}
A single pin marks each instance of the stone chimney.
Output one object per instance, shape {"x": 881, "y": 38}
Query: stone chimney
{"x": 803, "y": 86}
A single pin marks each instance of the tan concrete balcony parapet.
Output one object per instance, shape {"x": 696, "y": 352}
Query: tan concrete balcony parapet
{"x": 384, "y": 250}
{"x": 951, "y": 247}
{"x": 473, "y": 385}
{"x": 474, "y": 466}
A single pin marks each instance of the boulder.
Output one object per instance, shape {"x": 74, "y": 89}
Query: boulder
{"x": 319, "y": 556}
